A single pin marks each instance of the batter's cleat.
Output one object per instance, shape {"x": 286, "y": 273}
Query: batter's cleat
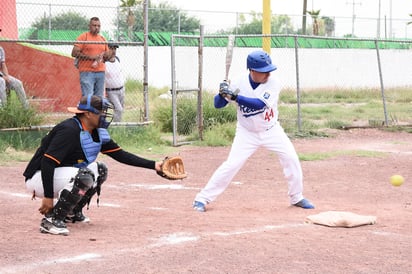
{"x": 77, "y": 217}
{"x": 304, "y": 204}
{"x": 199, "y": 206}
{"x": 53, "y": 226}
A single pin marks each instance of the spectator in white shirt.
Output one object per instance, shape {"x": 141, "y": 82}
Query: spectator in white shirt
{"x": 114, "y": 82}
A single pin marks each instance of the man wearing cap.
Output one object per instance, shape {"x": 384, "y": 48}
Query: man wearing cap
{"x": 114, "y": 83}
{"x": 256, "y": 95}
{"x": 91, "y": 59}
{"x": 64, "y": 167}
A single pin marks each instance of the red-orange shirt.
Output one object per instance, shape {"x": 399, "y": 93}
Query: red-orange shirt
{"x": 91, "y": 49}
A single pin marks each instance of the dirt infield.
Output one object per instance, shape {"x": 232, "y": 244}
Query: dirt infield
{"x": 146, "y": 224}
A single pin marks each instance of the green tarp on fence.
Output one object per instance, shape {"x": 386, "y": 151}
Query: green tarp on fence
{"x": 277, "y": 41}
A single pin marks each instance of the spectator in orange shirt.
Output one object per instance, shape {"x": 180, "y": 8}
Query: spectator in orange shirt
{"x": 91, "y": 58}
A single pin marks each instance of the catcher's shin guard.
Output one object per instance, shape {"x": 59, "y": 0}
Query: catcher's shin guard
{"x": 69, "y": 199}
{"x": 102, "y": 169}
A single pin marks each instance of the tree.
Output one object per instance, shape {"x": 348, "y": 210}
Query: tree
{"x": 315, "y": 14}
{"x": 329, "y": 25}
{"x": 162, "y": 18}
{"x": 305, "y": 5}
{"x": 252, "y": 27}
{"x": 63, "y": 21}
{"x": 128, "y": 6}
{"x": 280, "y": 24}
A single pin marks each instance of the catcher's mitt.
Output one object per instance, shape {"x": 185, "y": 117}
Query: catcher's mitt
{"x": 172, "y": 168}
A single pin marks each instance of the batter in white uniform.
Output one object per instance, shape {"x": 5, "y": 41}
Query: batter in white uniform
{"x": 257, "y": 126}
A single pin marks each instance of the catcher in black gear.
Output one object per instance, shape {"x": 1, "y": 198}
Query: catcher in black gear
{"x": 64, "y": 167}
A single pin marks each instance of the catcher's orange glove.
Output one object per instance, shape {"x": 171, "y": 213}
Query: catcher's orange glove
{"x": 172, "y": 168}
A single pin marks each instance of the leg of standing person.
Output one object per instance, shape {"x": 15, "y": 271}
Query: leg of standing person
{"x": 244, "y": 145}
{"x": 276, "y": 140}
{"x": 3, "y": 93}
{"x": 98, "y": 88}
{"x": 115, "y": 98}
{"x": 86, "y": 83}
{"x": 121, "y": 99}
{"x": 17, "y": 86}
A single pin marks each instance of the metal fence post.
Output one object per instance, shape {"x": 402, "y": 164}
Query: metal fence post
{"x": 200, "y": 85}
{"x": 174, "y": 93}
{"x": 146, "y": 52}
{"x": 297, "y": 82}
{"x": 381, "y": 82}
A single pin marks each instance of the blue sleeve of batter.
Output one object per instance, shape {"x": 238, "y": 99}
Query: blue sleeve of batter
{"x": 220, "y": 101}
{"x": 253, "y": 103}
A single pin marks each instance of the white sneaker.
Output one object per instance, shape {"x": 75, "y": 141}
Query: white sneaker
{"x": 53, "y": 226}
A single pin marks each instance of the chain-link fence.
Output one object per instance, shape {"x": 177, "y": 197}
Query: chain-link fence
{"x": 329, "y": 83}
{"x": 357, "y": 72}
{"x": 52, "y": 82}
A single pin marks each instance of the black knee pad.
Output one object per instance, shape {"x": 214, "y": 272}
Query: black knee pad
{"x": 102, "y": 176}
{"x": 83, "y": 181}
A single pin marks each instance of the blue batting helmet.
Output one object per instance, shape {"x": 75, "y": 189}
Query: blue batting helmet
{"x": 260, "y": 61}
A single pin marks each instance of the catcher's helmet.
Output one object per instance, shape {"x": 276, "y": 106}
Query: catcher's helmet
{"x": 260, "y": 61}
{"x": 97, "y": 105}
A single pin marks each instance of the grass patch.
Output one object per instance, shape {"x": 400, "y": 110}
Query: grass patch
{"x": 146, "y": 138}
{"x": 13, "y": 115}
{"x": 10, "y": 156}
{"x": 319, "y": 156}
{"x": 219, "y": 135}
{"x": 21, "y": 140}
{"x": 187, "y": 114}
{"x": 332, "y": 108}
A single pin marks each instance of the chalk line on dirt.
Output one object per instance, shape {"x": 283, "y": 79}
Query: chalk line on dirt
{"x": 24, "y": 195}
{"x": 34, "y": 265}
{"x": 257, "y": 230}
{"x": 154, "y": 186}
{"x": 15, "y": 194}
{"x": 176, "y": 238}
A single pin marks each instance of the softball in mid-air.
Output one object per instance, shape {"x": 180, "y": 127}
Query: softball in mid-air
{"x": 397, "y": 180}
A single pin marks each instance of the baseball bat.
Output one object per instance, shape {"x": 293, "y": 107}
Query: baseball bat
{"x": 229, "y": 55}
